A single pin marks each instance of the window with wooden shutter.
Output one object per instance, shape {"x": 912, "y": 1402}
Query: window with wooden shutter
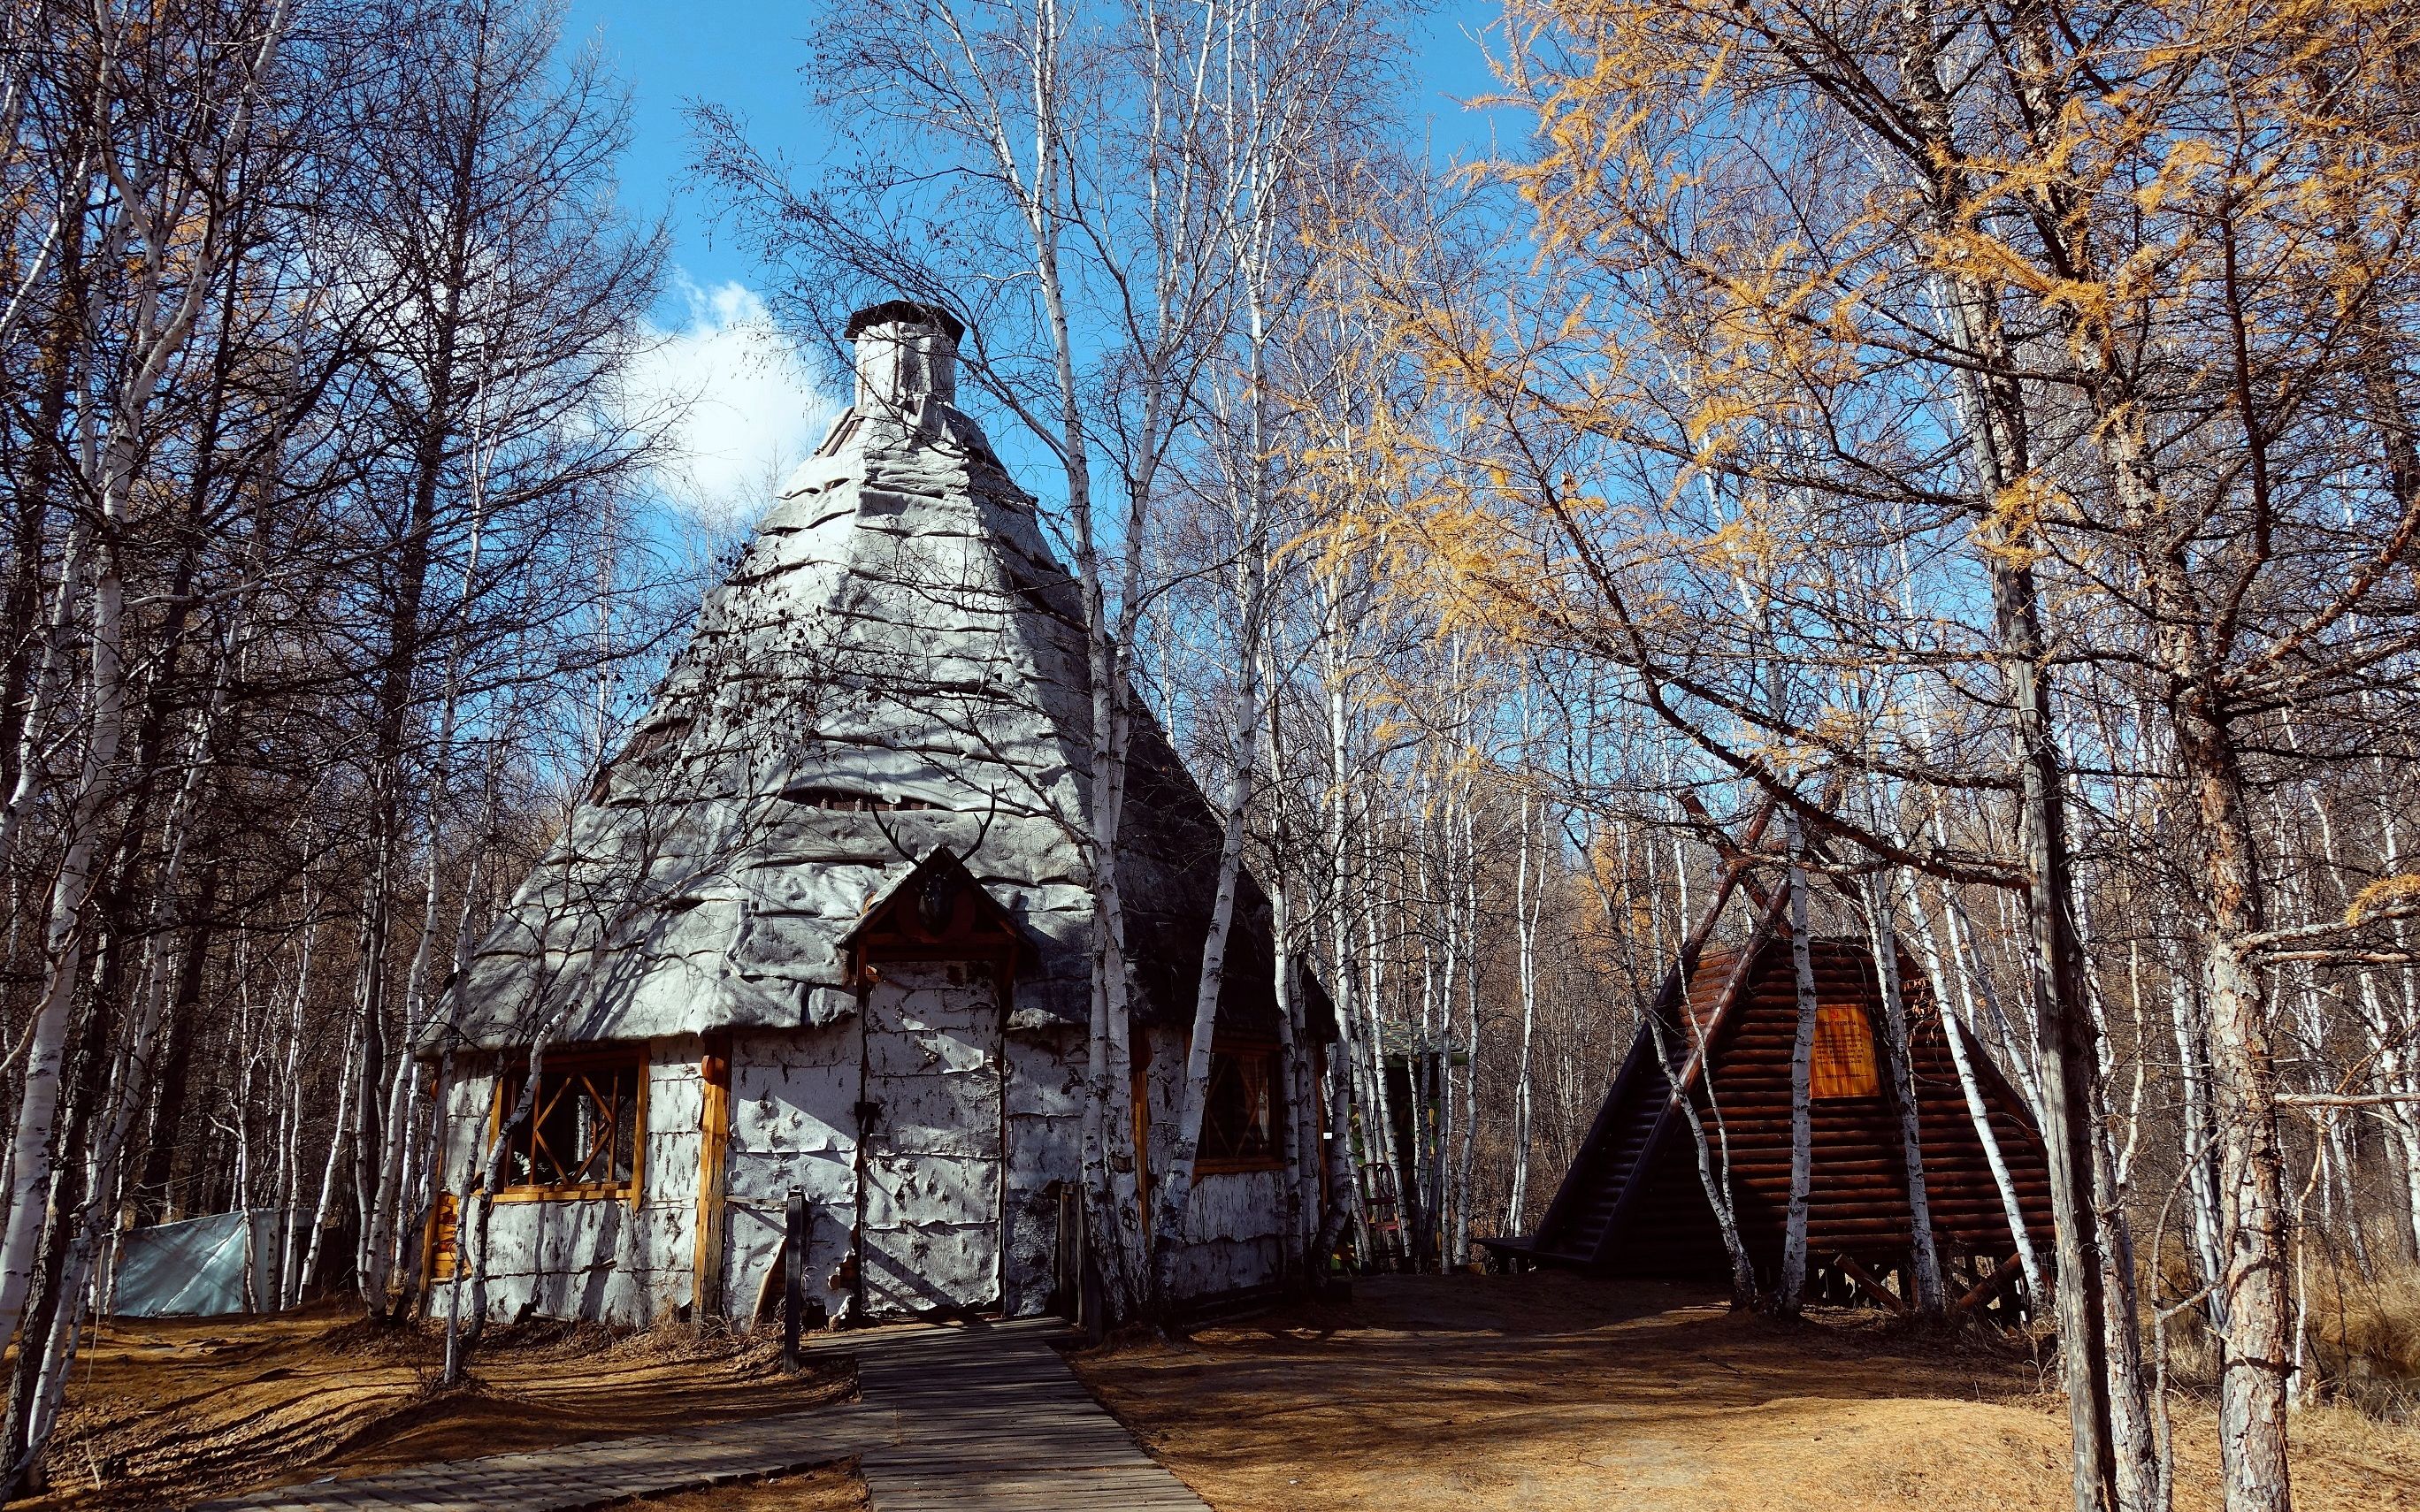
{"x": 1844, "y": 1052}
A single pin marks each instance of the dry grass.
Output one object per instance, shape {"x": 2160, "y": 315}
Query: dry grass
{"x": 2361, "y": 1346}
{"x": 2364, "y": 1337}
{"x": 165, "y": 1412}
{"x": 1548, "y": 1393}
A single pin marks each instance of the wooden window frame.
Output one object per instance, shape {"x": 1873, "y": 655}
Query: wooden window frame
{"x": 1220, "y": 1046}
{"x": 633, "y": 1058}
{"x": 443, "y": 1238}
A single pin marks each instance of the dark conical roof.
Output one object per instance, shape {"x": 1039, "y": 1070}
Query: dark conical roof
{"x": 905, "y": 311}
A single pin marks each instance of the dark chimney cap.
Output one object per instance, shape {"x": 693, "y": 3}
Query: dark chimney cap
{"x": 908, "y": 312}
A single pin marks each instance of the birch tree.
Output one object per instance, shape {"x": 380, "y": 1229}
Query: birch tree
{"x": 167, "y": 224}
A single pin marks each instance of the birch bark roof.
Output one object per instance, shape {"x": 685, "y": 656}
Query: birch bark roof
{"x": 896, "y": 663}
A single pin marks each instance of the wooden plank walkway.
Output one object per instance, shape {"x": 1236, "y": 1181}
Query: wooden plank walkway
{"x": 992, "y": 1420}
{"x": 973, "y": 1418}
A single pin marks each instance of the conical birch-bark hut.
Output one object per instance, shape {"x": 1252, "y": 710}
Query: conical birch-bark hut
{"x": 824, "y": 924}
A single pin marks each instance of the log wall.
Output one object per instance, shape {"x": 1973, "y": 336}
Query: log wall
{"x": 1858, "y": 1201}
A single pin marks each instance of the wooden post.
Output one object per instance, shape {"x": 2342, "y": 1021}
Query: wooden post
{"x": 714, "y": 1141}
{"x": 794, "y": 1278}
{"x": 1092, "y": 1308}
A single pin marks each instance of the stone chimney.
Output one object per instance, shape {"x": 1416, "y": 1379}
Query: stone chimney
{"x": 905, "y": 352}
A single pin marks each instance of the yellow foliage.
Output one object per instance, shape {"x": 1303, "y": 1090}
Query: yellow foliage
{"x": 2009, "y": 531}
{"x": 2385, "y": 894}
{"x": 1717, "y": 411}
{"x": 1684, "y": 296}
{"x": 1740, "y": 547}
{"x": 1836, "y": 726}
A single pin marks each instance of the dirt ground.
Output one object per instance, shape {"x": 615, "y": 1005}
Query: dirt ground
{"x": 1457, "y": 1394}
{"x": 162, "y": 1414}
{"x": 1550, "y": 1391}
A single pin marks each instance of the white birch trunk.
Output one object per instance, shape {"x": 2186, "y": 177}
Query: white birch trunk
{"x": 1930, "y": 1298}
{"x": 1528, "y": 898}
{"x": 249, "y": 1056}
{"x": 2201, "y": 1192}
{"x": 1714, "y": 1152}
{"x": 1793, "y": 1292}
{"x": 2396, "y": 1070}
{"x": 50, "y": 675}
{"x": 1469, "y": 1130}
{"x": 1434, "y": 1099}
{"x": 31, "y": 1148}
{"x": 337, "y": 1140}
{"x": 1713, "y": 1172}
{"x": 1356, "y": 1001}
{"x": 1305, "y": 1151}
{"x": 1176, "y": 1181}
{"x": 1313, "y": 1157}
{"x": 289, "y": 1117}
{"x": 1977, "y": 1111}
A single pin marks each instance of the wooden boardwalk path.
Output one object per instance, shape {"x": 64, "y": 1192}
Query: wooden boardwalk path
{"x": 992, "y": 1418}
{"x": 973, "y": 1418}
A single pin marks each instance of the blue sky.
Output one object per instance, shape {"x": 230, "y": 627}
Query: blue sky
{"x": 746, "y": 54}
{"x": 753, "y": 409}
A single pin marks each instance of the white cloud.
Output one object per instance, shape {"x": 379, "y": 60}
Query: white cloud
{"x": 743, "y": 407}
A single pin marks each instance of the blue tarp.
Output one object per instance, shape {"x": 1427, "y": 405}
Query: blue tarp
{"x": 195, "y": 1268}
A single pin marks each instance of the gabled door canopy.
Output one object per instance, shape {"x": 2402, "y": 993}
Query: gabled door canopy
{"x": 935, "y": 912}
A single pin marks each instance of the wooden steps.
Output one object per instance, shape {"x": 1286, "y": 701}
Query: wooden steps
{"x": 1579, "y": 1228}
{"x": 1585, "y": 1210}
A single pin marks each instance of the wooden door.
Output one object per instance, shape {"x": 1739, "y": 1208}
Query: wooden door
{"x": 929, "y": 1189}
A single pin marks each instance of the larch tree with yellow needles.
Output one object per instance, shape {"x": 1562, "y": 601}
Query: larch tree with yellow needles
{"x": 1896, "y": 390}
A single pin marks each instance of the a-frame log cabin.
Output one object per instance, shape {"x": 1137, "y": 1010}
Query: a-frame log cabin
{"x": 1635, "y": 1199}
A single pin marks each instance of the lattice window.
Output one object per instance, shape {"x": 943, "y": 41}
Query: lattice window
{"x": 583, "y": 1132}
{"x": 1239, "y": 1116}
{"x": 1844, "y": 1052}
